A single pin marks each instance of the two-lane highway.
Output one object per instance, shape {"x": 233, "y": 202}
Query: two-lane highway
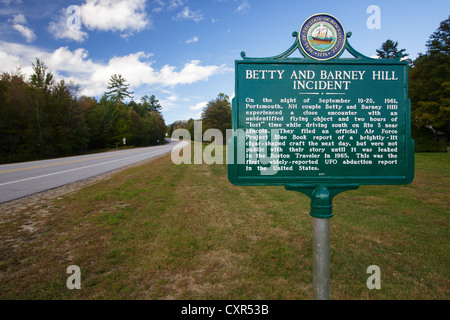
{"x": 22, "y": 179}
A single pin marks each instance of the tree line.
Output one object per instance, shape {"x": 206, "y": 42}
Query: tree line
{"x": 429, "y": 89}
{"x": 41, "y": 118}
{"x": 215, "y": 115}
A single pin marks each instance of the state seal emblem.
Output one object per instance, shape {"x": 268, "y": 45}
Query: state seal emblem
{"x": 322, "y": 37}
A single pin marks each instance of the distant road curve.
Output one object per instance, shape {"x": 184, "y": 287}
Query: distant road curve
{"x": 19, "y": 180}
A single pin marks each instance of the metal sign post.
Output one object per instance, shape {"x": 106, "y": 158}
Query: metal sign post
{"x": 321, "y": 125}
{"x": 321, "y": 211}
{"x": 321, "y": 258}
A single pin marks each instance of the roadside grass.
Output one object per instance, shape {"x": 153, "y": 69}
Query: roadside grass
{"x": 165, "y": 231}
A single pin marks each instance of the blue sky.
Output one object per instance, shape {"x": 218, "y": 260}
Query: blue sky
{"x": 183, "y": 51}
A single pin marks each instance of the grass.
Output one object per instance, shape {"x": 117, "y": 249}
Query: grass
{"x": 165, "y": 231}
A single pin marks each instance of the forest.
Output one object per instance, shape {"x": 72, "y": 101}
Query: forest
{"x": 41, "y": 118}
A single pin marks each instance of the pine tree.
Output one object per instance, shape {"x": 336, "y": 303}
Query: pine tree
{"x": 151, "y": 104}
{"x": 439, "y": 41}
{"x": 41, "y": 82}
{"x": 118, "y": 88}
{"x": 389, "y": 50}
{"x": 41, "y": 79}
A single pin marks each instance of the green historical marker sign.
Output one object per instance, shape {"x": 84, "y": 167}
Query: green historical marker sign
{"x": 321, "y": 120}
{"x": 321, "y": 125}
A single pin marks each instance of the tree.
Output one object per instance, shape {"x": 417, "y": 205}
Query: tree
{"x": 151, "y": 104}
{"x": 66, "y": 121}
{"x": 40, "y": 85}
{"x": 15, "y": 117}
{"x": 41, "y": 79}
{"x": 217, "y": 114}
{"x": 118, "y": 88}
{"x": 43, "y": 118}
{"x": 189, "y": 126}
{"x": 389, "y": 50}
{"x": 39, "y": 117}
{"x": 157, "y": 127}
{"x": 429, "y": 87}
{"x": 93, "y": 114}
{"x": 439, "y": 41}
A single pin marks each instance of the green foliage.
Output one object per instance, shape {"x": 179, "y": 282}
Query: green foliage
{"x": 118, "y": 88}
{"x": 389, "y": 50}
{"x": 40, "y": 118}
{"x": 217, "y": 114}
{"x": 150, "y": 104}
{"x": 439, "y": 41}
{"x": 16, "y": 130}
{"x": 190, "y": 127}
{"x": 429, "y": 91}
{"x": 41, "y": 79}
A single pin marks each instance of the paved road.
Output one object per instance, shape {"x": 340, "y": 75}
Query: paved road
{"x": 22, "y": 179}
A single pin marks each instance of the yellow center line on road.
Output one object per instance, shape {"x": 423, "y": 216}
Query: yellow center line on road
{"x": 68, "y": 162}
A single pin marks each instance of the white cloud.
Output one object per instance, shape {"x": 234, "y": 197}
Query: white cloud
{"x": 188, "y": 14}
{"x": 11, "y": 1}
{"x": 125, "y": 16}
{"x": 166, "y": 5}
{"x": 115, "y": 15}
{"x": 93, "y": 77}
{"x": 61, "y": 61}
{"x": 18, "y": 19}
{"x": 192, "y": 40}
{"x": 26, "y": 32}
{"x": 172, "y": 97}
{"x": 9, "y": 61}
{"x": 191, "y": 72}
{"x": 199, "y": 106}
{"x": 173, "y": 4}
{"x": 75, "y": 62}
{"x": 243, "y": 8}
{"x": 60, "y": 30}
{"x": 169, "y": 102}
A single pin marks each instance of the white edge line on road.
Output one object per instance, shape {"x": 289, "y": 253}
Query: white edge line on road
{"x": 180, "y": 145}
{"x": 92, "y": 165}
